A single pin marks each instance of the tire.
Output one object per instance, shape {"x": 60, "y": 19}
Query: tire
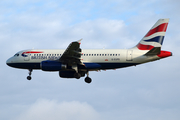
{"x": 88, "y": 80}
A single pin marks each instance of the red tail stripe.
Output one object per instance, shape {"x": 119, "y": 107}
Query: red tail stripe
{"x": 144, "y": 47}
{"x": 160, "y": 28}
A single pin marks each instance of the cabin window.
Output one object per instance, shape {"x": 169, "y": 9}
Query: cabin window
{"x": 110, "y": 54}
{"x": 94, "y": 54}
{"x": 99, "y": 54}
{"x": 89, "y": 54}
{"x": 102, "y": 54}
{"x": 118, "y": 54}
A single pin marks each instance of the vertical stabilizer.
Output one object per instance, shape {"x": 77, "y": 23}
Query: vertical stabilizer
{"x": 155, "y": 36}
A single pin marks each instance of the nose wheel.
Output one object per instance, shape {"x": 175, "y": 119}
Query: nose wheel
{"x": 30, "y": 72}
{"x": 29, "y": 77}
{"x": 88, "y": 79}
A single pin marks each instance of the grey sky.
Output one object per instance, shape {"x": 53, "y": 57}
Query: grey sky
{"x": 145, "y": 92}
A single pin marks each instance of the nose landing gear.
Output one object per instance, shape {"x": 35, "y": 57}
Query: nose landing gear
{"x": 30, "y": 72}
{"x": 88, "y": 79}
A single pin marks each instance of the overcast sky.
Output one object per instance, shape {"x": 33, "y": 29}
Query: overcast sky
{"x": 146, "y": 92}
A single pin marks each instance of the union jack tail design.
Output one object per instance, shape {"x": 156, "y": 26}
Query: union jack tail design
{"x": 155, "y": 36}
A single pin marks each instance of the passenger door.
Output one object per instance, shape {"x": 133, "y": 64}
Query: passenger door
{"x": 129, "y": 55}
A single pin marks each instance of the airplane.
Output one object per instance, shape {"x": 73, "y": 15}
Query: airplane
{"x": 76, "y": 63}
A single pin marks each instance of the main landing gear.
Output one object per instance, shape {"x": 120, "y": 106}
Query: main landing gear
{"x": 79, "y": 75}
{"x": 30, "y": 72}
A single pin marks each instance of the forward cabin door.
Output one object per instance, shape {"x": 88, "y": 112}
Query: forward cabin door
{"x": 129, "y": 55}
{"x": 27, "y": 57}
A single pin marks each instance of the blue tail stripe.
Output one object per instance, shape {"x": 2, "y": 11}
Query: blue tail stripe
{"x": 158, "y": 39}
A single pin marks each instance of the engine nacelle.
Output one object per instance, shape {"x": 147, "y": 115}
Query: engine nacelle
{"x": 52, "y": 66}
{"x": 70, "y": 74}
{"x": 67, "y": 74}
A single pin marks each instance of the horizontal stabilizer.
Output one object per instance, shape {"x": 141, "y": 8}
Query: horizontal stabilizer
{"x": 154, "y": 51}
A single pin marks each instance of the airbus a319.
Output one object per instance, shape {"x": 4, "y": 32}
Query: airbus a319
{"x": 76, "y": 63}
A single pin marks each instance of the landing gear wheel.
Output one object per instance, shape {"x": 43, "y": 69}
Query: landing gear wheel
{"x": 30, "y": 72}
{"x": 29, "y": 77}
{"x": 88, "y": 80}
{"x": 77, "y": 75}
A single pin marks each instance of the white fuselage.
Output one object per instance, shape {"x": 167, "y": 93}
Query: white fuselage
{"x": 108, "y": 58}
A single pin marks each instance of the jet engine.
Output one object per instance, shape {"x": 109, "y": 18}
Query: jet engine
{"x": 67, "y": 74}
{"x": 52, "y": 66}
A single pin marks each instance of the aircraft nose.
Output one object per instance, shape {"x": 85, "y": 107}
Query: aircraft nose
{"x": 9, "y": 61}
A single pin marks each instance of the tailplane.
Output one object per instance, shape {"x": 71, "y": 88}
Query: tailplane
{"x": 154, "y": 38}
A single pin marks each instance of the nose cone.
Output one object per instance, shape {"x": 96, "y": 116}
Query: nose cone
{"x": 9, "y": 62}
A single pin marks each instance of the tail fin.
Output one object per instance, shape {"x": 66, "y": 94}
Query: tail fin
{"x": 155, "y": 36}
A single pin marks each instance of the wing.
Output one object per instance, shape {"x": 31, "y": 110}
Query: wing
{"x": 72, "y": 55}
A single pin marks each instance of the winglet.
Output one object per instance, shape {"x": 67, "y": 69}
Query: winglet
{"x": 79, "y": 41}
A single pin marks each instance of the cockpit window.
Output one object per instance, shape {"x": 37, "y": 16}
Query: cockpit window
{"x": 16, "y": 54}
